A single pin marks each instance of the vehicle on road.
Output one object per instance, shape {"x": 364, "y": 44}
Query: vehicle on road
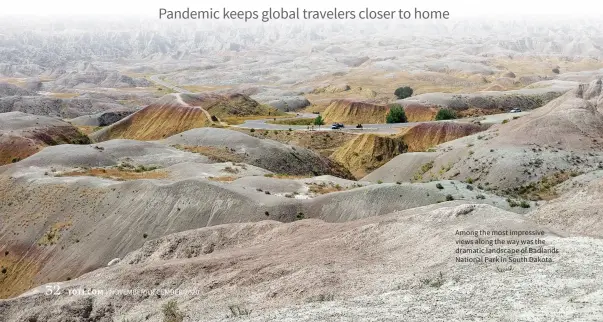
{"x": 515, "y": 110}
{"x": 336, "y": 126}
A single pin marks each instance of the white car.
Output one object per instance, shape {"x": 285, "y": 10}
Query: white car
{"x": 515, "y": 110}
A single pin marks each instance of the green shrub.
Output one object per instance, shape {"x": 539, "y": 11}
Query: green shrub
{"x": 449, "y": 198}
{"x": 319, "y": 121}
{"x": 403, "y": 92}
{"x": 396, "y": 114}
{"x": 445, "y": 114}
{"x": 252, "y": 130}
{"x": 524, "y": 204}
{"x": 439, "y": 186}
{"x": 512, "y": 203}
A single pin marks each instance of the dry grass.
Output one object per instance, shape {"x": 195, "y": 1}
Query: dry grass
{"x": 88, "y": 129}
{"x": 53, "y": 235}
{"x": 299, "y": 121}
{"x": 218, "y": 154}
{"x": 236, "y": 120}
{"x": 324, "y": 188}
{"x": 223, "y": 178}
{"x": 19, "y": 275}
{"x": 64, "y": 95}
{"x": 116, "y": 174}
{"x": 285, "y": 176}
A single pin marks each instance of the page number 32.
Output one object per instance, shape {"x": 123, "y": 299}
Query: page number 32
{"x": 53, "y": 289}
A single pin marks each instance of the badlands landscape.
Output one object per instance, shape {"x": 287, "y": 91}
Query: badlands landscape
{"x": 197, "y": 172}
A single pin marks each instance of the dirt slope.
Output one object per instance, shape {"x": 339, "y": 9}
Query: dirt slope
{"x": 368, "y": 152}
{"x": 421, "y": 137}
{"x": 376, "y": 269}
{"x": 22, "y": 135}
{"x": 66, "y": 202}
{"x": 354, "y": 112}
{"x": 177, "y": 113}
{"x": 167, "y": 116}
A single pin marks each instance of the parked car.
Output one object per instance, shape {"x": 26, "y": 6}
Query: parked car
{"x": 515, "y": 110}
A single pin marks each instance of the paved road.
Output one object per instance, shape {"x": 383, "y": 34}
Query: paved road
{"x": 156, "y": 79}
{"x": 370, "y": 128}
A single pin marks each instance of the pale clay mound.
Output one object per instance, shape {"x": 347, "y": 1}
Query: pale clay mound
{"x": 563, "y": 135}
{"x": 382, "y": 268}
{"x": 67, "y": 217}
{"x": 579, "y": 211}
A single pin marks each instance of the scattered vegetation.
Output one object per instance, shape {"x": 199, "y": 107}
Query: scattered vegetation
{"x": 286, "y": 176}
{"x": 223, "y": 178}
{"x": 119, "y": 173}
{"x": 544, "y": 189}
{"x": 321, "y": 298}
{"x": 434, "y": 282}
{"x": 449, "y": 197}
{"x": 424, "y": 169}
{"x": 514, "y": 203}
{"x": 396, "y": 114}
{"x": 217, "y": 154}
{"x": 403, "y": 92}
{"x": 439, "y": 186}
{"x": 300, "y": 216}
{"x": 324, "y": 187}
{"x": 445, "y": 114}
{"x": 237, "y": 311}
{"x": 171, "y": 312}
{"x": 53, "y": 234}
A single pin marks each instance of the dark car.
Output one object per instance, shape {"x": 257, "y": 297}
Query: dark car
{"x": 337, "y": 126}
